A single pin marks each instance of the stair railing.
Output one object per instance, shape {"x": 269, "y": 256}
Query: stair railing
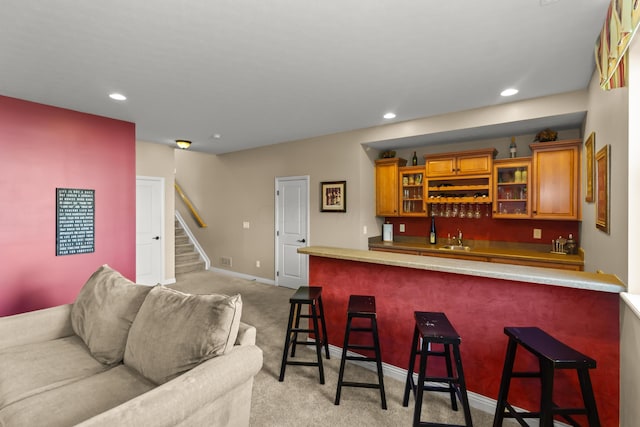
{"x": 192, "y": 209}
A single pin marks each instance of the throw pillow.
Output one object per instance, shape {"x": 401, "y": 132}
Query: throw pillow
{"x": 175, "y": 331}
{"x": 103, "y": 312}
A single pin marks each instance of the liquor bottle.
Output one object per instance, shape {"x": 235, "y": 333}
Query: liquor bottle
{"x": 432, "y": 234}
{"x": 414, "y": 159}
{"x": 513, "y": 148}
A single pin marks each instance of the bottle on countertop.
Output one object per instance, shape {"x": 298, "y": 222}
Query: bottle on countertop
{"x": 433, "y": 237}
{"x": 570, "y": 247}
{"x": 414, "y": 159}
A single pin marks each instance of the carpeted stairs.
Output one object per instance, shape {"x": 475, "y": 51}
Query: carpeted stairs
{"x": 187, "y": 258}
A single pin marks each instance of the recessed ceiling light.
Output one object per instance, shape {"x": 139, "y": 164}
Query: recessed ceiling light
{"x": 117, "y": 96}
{"x": 389, "y": 116}
{"x": 509, "y": 92}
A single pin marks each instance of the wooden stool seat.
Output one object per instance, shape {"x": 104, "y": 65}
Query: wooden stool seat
{"x": 312, "y": 297}
{"x": 364, "y": 307}
{"x": 435, "y": 328}
{"x": 552, "y": 354}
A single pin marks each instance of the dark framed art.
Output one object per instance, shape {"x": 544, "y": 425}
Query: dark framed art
{"x": 589, "y": 146}
{"x": 603, "y": 185}
{"x": 333, "y": 196}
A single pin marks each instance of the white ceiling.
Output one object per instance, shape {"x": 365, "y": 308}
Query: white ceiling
{"x": 263, "y": 72}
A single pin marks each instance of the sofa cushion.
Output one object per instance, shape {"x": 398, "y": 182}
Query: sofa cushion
{"x": 103, "y": 312}
{"x": 174, "y": 332}
{"x": 75, "y": 402}
{"x": 33, "y": 368}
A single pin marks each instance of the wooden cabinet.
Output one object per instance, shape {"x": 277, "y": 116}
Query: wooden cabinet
{"x": 475, "y": 162}
{"x": 387, "y": 185}
{"x": 412, "y": 191}
{"x": 512, "y": 184}
{"x": 556, "y": 180}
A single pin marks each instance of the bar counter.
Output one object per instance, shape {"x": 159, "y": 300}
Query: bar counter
{"x": 480, "y": 299}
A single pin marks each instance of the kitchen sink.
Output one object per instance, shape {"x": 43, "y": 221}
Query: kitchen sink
{"x": 455, "y": 248}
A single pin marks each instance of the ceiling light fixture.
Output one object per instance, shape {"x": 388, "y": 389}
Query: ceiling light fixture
{"x": 117, "y": 96}
{"x": 509, "y": 92}
{"x": 183, "y": 143}
{"x": 389, "y": 116}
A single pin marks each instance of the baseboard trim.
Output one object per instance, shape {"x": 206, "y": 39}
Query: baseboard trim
{"x": 243, "y": 276}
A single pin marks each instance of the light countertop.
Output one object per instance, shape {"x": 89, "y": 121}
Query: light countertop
{"x": 544, "y": 276}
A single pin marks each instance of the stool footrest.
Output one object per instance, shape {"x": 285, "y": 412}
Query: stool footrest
{"x": 360, "y": 347}
{"x": 300, "y": 363}
{"x": 361, "y": 358}
{"x": 357, "y": 384}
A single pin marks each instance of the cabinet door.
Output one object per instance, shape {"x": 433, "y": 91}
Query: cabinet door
{"x": 412, "y": 191}
{"x": 556, "y": 182}
{"x": 441, "y": 167}
{"x": 474, "y": 164}
{"x": 512, "y": 181}
{"x": 387, "y": 186}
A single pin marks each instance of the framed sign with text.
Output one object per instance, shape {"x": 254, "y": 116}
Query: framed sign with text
{"x": 75, "y": 221}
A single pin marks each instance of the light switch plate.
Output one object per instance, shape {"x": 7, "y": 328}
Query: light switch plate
{"x": 245, "y": 224}
{"x": 537, "y": 233}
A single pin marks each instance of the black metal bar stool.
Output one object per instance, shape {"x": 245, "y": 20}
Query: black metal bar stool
{"x": 552, "y": 354}
{"x": 435, "y": 328}
{"x": 312, "y": 297}
{"x": 363, "y": 307}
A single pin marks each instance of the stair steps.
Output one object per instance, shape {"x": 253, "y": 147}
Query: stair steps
{"x": 187, "y": 258}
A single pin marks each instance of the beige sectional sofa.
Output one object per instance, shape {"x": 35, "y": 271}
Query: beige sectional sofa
{"x": 128, "y": 355}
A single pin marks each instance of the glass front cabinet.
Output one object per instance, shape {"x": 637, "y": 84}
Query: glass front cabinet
{"x": 512, "y": 191}
{"x": 412, "y": 191}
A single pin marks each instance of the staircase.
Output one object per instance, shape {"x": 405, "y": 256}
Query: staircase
{"x": 187, "y": 258}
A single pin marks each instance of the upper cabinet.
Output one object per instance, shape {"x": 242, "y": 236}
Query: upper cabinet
{"x": 412, "y": 191}
{"x": 387, "y": 185}
{"x": 512, "y": 183}
{"x": 556, "y": 180}
{"x": 475, "y": 162}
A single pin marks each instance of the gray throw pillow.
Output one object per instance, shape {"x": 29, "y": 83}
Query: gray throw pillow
{"x": 175, "y": 331}
{"x": 103, "y": 312}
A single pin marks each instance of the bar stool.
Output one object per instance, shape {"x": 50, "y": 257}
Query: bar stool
{"x": 435, "y": 328}
{"x": 362, "y": 307}
{"x": 552, "y": 354}
{"x": 312, "y": 297}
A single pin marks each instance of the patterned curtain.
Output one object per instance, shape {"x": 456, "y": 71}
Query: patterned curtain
{"x": 620, "y": 25}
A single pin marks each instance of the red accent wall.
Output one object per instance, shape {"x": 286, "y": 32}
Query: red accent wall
{"x": 479, "y": 308}
{"x": 44, "y": 148}
{"x": 501, "y": 230}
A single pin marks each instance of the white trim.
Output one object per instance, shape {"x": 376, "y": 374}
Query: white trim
{"x": 307, "y": 179}
{"x": 198, "y": 248}
{"x": 243, "y": 276}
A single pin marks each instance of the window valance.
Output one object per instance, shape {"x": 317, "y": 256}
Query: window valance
{"x": 620, "y": 25}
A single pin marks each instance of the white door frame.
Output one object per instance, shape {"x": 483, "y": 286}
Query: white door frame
{"x": 278, "y": 180}
{"x": 161, "y": 214}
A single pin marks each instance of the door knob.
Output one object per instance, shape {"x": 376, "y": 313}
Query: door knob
{"x": 302, "y": 240}
{"x": 156, "y": 238}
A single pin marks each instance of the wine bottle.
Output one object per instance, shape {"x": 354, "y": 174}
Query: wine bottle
{"x": 432, "y": 234}
{"x": 414, "y": 159}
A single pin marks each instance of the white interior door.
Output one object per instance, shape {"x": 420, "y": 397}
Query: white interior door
{"x": 292, "y": 224}
{"x": 149, "y": 230}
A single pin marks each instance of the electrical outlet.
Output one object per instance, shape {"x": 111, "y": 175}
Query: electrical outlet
{"x": 537, "y": 233}
{"x": 225, "y": 260}
{"x": 258, "y": 264}
{"x": 246, "y": 224}
{"x": 402, "y": 228}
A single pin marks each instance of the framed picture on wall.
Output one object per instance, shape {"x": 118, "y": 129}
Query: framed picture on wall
{"x": 589, "y": 146}
{"x": 333, "y": 196}
{"x": 603, "y": 185}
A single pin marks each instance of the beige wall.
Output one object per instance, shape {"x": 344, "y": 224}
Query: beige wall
{"x": 156, "y": 160}
{"x": 608, "y": 118}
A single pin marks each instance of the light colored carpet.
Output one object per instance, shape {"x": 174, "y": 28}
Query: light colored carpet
{"x": 300, "y": 400}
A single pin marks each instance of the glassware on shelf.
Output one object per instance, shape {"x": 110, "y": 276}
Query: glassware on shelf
{"x": 469, "y": 212}
{"x": 477, "y": 214}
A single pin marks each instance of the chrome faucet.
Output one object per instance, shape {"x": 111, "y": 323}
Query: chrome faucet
{"x": 459, "y": 237}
